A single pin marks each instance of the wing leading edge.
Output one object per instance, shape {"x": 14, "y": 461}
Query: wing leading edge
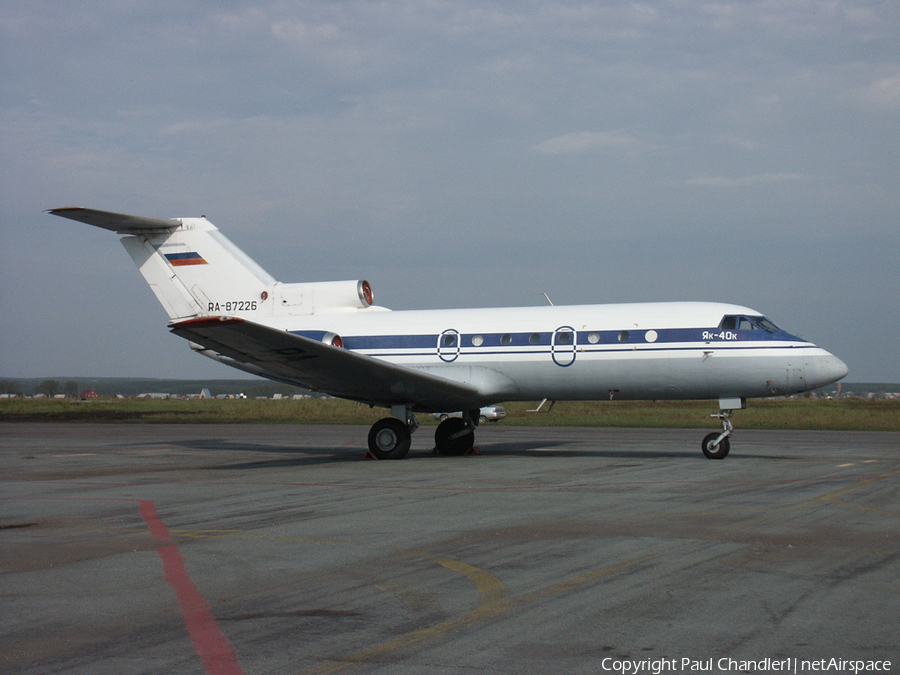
{"x": 323, "y": 367}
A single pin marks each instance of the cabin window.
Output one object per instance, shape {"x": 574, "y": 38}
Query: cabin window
{"x": 564, "y": 338}
{"x": 624, "y": 336}
{"x": 449, "y": 340}
{"x": 535, "y": 339}
{"x": 594, "y": 337}
{"x": 506, "y": 339}
{"x": 477, "y": 340}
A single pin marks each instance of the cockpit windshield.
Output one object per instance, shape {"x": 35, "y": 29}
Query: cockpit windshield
{"x": 738, "y": 322}
{"x": 765, "y": 324}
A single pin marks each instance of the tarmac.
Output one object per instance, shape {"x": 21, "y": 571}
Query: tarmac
{"x": 229, "y": 549}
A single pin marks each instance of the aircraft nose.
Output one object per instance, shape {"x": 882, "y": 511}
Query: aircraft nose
{"x": 826, "y": 369}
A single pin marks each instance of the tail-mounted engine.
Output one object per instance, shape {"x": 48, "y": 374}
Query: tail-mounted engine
{"x": 324, "y": 297}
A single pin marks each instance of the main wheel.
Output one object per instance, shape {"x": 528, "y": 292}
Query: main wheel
{"x": 718, "y": 452}
{"x": 389, "y": 438}
{"x": 452, "y": 437}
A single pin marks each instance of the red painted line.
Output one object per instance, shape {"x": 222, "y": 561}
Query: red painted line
{"x": 210, "y": 644}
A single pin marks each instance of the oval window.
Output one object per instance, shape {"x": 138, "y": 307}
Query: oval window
{"x": 594, "y": 337}
{"x": 506, "y": 339}
{"x": 624, "y": 336}
{"x": 448, "y": 344}
{"x": 477, "y": 340}
{"x": 535, "y": 339}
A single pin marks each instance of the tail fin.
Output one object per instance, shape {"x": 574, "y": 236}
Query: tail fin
{"x": 192, "y": 268}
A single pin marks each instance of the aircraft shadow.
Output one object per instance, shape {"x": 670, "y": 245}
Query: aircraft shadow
{"x": 542, "y": 450}
{"x": 299, "y": 456}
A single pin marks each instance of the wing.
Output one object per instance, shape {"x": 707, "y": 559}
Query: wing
{"x": 322, "y": 367}
{"x": 117, "y": 222}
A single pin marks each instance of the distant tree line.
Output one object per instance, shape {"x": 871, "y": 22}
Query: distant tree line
{"x": 132, "y": 387}
{"x": 47, "y": 388}
{"x": 10, "y": 387}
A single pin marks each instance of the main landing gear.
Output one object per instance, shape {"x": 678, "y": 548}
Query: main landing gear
{"x": 390, "y": 438}
{"x": 716, "y": 445}
{"x": 456, "y": 435}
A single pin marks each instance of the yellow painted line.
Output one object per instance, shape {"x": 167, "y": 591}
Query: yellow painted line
{"x": 588, "y": 577}
{"x": 834, "y": 494}
{"x": 867, "y": 509}
{"x": 413, "y": 599}
{"x": 494, "y": 601}
{"x": 491, "y": 591}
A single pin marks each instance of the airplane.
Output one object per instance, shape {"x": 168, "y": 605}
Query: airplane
{"x": 330, "y": 337}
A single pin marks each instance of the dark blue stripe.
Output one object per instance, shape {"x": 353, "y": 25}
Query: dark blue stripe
{"x": 603, "y": 338}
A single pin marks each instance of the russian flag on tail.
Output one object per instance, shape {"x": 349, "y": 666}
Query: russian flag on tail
{"x": 179, "y": 259}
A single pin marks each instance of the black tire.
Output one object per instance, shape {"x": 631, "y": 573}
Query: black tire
{"x": 389, "y": 438}
{"x": 715, "y": 453}
{"x": 452, "y": 438}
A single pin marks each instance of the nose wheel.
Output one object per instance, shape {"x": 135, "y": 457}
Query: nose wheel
{"x": 716, "y": 445}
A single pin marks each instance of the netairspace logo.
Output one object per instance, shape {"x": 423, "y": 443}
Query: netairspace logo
{"x": 726, "y": 665}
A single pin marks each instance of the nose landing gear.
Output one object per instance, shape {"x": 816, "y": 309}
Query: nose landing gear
{"x": 716, "y": 445}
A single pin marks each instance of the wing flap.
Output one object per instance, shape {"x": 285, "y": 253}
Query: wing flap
{"x": 117, "y": 222}
{"x": 322, "y": 367}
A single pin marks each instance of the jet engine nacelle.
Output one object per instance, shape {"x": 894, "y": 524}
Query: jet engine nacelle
{"x": 323, "y": 297}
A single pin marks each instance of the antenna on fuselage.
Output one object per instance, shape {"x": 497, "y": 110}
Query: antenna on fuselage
{"x": 541, "y": 404}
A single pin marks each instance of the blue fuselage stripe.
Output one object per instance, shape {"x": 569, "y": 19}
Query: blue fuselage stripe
{"x": 586, "y": 341}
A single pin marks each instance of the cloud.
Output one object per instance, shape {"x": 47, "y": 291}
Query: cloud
{"x": 584, "y": 141}
{"x": 745, "y": 181}
{"x": 885, "y": 92}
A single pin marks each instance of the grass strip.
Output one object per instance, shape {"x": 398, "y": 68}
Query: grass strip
{"x": 801, "y": 413}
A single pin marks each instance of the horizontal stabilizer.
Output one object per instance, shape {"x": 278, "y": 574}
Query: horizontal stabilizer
{"x": 322, "y": 367}
{"x": 117, "y": 222}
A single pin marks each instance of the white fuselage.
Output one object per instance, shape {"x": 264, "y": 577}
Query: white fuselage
{"x": 584, "y": 352}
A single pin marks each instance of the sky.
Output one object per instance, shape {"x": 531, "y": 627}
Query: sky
{"x": 454, "y": 154}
